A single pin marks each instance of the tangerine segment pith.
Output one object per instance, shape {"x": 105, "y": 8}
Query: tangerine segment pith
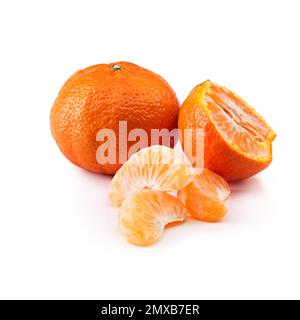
{"x": 156, "y": 167}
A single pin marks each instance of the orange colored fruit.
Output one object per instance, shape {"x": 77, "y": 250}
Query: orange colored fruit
{"x": 144, "y": 215}
{"x": 156, "y": 167}
{"x": 204, "y": 196}
{"x": 99, "y": 97}
{"x": 237, "y": 140}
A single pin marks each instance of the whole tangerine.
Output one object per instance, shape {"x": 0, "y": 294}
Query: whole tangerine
{"x": 101, "y": 96}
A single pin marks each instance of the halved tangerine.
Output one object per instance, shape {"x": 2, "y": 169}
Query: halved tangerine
{"x": 204, "y": 197}
{"x": 156, "y": 168}
{"x": 144, "y": 215}
{"x": 237, "y": 140}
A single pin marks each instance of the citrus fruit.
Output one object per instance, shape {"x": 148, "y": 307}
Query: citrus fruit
{"x": 237, "y": 140}
{"x": 156, "y": 167}
{"x": 101, "y": 96}
{"x": 204, "y": 196}
{"x": 144, "y": 215}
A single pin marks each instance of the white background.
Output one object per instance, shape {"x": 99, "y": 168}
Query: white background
{"x": 59, "y": 236}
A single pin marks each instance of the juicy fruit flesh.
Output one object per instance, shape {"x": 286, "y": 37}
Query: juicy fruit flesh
{"x": 156, "y": 167}
{"x": 205, "y": 195}
{"x": 144, "y": 215}
{"x": 239, "y": 123}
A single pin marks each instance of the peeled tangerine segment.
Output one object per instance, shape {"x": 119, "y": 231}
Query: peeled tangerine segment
{"x": 156, "y": 168}
{"x": 144, "y": 215}
{"x": 205, "y": 195}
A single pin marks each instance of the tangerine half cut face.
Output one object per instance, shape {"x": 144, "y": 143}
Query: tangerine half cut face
{"x": 239, "y": 124}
